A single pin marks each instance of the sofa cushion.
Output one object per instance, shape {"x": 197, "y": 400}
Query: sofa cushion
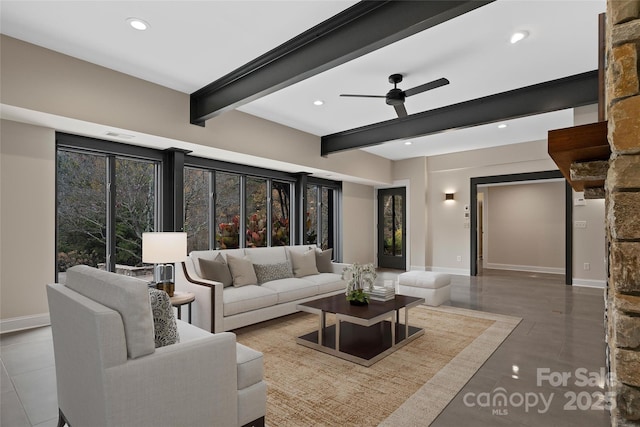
{"x": 323, "y": 260}
{"x": 242, "y": 271}
{"x": 216, "y": 270}
{"x": 304, "y": 264}
{"x": 328, "y": 282}
{"x": 292, "y": 289}
{"x": 247, "y": 298}
{"x": 273, "y": 255}
{"x": 269, "y": 272}
{"x": 165, "y": 329}
{"x": 126, "y": 295}
{"x": 250, "y": 366}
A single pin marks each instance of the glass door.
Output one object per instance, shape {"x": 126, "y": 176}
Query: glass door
{"x": 391, "y": 228}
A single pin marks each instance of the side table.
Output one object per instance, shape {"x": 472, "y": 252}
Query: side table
{"x": 181, "y": 298}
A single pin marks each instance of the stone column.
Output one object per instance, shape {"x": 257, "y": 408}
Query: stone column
{"x": 622, "y": 188}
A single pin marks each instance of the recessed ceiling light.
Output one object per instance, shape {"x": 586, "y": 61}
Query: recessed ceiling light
{"x": 318, "y": 102}
{"x": 137, "y": 24}
{"x": 519, "y": 36}
{"x": 502, "y": 125}
{"x": 408, "y": 143}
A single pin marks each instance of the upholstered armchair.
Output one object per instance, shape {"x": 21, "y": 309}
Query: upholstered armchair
{"x": 110, "y": 373}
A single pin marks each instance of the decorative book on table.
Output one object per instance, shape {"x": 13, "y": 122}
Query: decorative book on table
{"x": 380, "y": 293}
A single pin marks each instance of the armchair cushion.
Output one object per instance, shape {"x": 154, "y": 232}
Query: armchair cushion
{"x": 126, "y": 295}
{"x": 165, "y": 329}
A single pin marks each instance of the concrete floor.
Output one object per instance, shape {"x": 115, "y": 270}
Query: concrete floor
{"x": 547, "y": 373}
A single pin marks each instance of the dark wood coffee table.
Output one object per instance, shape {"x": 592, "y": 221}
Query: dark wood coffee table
{"x": 361, "y": 334}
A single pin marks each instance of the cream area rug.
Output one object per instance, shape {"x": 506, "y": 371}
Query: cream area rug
{"x": 409, "y": 387}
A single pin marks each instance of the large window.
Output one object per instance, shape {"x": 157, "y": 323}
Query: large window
{"x": 82, "y": 209}
{"x": 241, "y": 210}
{"x": 106, "y": 199}
{"x": 256, "y": 212}
{"x": 197, "y": 202}
{"x": 227, "y": 210}
{"x": 108, "y": 194}
{"x": 321, "y": 213}
{"x": 280, "y": 213}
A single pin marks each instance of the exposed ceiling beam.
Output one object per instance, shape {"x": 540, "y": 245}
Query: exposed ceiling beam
{"x": 358, "y": 30}
{"x": 568, "y": 92}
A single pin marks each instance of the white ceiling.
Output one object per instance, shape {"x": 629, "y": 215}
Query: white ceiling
{"x": 192, "y": 43}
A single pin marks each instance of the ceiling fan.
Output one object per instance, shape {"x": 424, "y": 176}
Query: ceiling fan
{"x": 397, "y": 96}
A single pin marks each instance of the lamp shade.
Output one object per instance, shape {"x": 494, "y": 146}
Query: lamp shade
{"x": 164, "y": 247}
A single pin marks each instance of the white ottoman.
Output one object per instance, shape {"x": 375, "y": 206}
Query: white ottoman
{"x": 435, "y": 288}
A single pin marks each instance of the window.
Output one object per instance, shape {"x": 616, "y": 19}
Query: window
{"x": 256, "y": 212}
{"x": 321, "y": 213}
{"x": 280, "y": 213}
{"x": 197, "y": 204}
{"x": 82, "y": 209}
{"x": 107, "y": 196}
{"x": 227, "y": 208}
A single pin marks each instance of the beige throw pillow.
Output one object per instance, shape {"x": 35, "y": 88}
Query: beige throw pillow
{"x": 303, "y": 264}
{"x": 242, "y": 271}
{"x": 323, "y": 260}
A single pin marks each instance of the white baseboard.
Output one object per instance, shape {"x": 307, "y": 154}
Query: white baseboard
{"x": 530, "y": 268}
{"x": 587, "y": 283}
{"x": 447, "y": 270}
{"x": 14, "y": 324}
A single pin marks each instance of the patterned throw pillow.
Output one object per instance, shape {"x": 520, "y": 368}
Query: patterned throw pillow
{"x": 268, "y": 272}
{"x": 165, "y": 327}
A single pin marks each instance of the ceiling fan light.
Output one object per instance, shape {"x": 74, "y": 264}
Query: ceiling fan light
{"x": 518, "y": 36}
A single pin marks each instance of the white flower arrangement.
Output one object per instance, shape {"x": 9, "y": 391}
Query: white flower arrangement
{"x": 360, "y": 278}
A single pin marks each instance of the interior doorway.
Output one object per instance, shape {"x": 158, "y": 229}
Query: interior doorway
{"x": 392, "y": 229}
{"x": 531, "y": 176}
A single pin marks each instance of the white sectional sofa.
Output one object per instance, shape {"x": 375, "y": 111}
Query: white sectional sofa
{"x": 220, "y": 308}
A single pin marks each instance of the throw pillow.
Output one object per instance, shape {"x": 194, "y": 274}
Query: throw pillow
{"x": 216, "y": 270}
{"x": 268, "y": 272}
{"x": 323, "y": 260}
{"x": 242, "y": 271}
{"x": 304, "y": 264}
{"x": 165, "y": 328}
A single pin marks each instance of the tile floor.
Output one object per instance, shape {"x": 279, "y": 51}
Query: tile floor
{"x": 562, "y": 331}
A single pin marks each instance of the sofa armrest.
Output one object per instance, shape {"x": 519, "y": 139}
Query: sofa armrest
{"x": 202, "y": 370}
{"x": 208, "y": 306}
{"x": 337, "y": 267}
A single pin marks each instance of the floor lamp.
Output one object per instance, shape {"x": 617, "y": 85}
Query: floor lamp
{"x": 164, "y": 249}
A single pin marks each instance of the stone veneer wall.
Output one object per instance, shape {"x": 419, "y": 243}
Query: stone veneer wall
{"x": 623, "y": 207}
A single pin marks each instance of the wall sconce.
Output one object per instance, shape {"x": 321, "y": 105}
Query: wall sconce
{"x": 448, "y": 196}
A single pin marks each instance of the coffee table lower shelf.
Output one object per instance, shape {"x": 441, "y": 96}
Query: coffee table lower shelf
{"x": 364, "y": 345}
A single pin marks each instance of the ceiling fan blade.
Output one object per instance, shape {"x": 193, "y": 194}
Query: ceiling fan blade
{"x": 362, "y": 96}
{"x": 400, "y": 110}
{"x": 425, "y": 87}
